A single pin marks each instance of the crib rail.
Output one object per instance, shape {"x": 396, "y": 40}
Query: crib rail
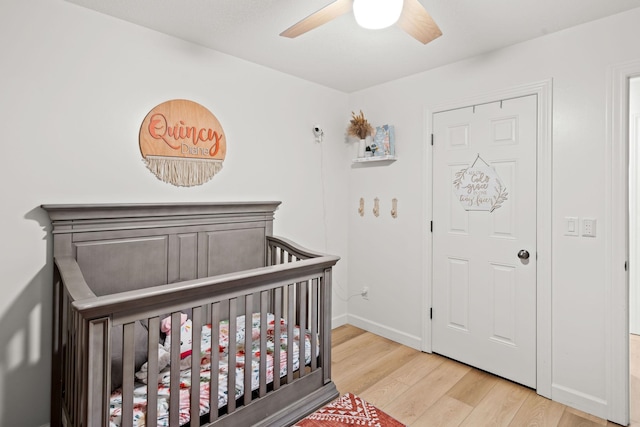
{"x": 294, "y": 285}
{"x": 281, "y": 251}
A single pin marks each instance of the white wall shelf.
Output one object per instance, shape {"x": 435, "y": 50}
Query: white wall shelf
{"x": 375, "y": 159}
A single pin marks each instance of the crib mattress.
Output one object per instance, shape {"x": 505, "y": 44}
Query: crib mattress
{"x": 140, "y": 390}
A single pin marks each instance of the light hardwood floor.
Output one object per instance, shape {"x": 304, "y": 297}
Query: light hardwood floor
{"x": 421, "y": 389}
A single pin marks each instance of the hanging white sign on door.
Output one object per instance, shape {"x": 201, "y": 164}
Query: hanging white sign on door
{"x": 479, "y": 188}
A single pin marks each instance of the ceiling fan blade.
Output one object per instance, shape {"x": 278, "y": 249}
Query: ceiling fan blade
{"x": 416, "y": 21}
{"x": 324, "y": 15}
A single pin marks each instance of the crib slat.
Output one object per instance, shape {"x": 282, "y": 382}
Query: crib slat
{"x": 127, "y": 374}
{"x": 302, "y": 303}
{"x": 314, "y": 324}
{"x": 174, "y": 386}
{"x": 263, "y": 343}
{"x": 231, "y": 360}
{"x": 214, "y": 384}
{"x": 74, "y": 366}
{"x": 290, "y": 323}
{"x": 70, "y": 348}
{"x": 248, "y": 344}
{"x": 277, "y": 314}
{"x": 78, "y": 366}
{"x": 56, "y": 356}
{"x": 97, "y": 356}
{"x": 325, "y": 326}
{"x": 273, "y": 254}
{"x": 152, "y": 373}
{"x": 196, "y": 321}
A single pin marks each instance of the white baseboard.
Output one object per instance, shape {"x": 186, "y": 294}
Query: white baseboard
{"x": 578, "y": 400}
{"x": 338, "y": 321}
{"x": 385, "y": 331}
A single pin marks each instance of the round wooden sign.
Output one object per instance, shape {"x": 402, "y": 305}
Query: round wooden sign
{"x": 182, "y": 143}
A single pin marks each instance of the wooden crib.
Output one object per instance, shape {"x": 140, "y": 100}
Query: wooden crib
{"x": 122, "y": 269}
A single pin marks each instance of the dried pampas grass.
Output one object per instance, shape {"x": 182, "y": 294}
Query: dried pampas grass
{"x": 359, "y": 126}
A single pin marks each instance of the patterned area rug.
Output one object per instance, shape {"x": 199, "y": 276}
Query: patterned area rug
{"x": 349, "y": 410}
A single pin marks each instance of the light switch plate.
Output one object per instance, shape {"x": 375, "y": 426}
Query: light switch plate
{"x": 571, "y": 226}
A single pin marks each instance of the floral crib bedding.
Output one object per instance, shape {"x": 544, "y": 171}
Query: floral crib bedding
{"x": 140, "y": 389}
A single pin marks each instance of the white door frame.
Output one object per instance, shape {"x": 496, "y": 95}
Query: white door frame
{"x": 543, "y": 90}
{"x": 634, "y": 229}
{"x": 617, "y": 240}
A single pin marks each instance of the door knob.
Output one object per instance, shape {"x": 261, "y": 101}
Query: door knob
{"x": 523, "y": 254}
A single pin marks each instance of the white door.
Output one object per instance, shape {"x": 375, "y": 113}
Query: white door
{"x": 484, "y": 285}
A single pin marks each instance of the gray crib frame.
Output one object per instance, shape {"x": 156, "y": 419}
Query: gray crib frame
{"x": 169, "y": 257}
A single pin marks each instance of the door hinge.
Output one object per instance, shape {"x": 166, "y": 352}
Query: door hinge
{"x": 431, "y": 313}
{"x": 432, "y": 226}
{"x": 431, "y": 139}
{"x": 625, "y": 266}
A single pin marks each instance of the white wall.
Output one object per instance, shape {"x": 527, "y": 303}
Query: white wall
{"x": 387, "y": 255}
{"x": 75, "y": 88}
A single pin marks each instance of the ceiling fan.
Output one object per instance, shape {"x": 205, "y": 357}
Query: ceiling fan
{"x": 410, "y": 15}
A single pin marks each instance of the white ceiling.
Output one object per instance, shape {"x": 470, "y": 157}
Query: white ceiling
{"x": 342, "y": 55}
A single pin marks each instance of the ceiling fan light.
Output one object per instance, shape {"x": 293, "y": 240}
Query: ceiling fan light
{"x": 377, "y": 14}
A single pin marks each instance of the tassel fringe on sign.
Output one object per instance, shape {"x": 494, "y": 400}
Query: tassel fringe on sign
{"x": 183, "y": 172}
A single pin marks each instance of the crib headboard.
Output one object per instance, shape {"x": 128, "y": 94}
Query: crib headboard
{"x": 123, "y": 247}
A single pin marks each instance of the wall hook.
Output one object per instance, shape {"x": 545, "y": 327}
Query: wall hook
{"x": 376, "y": 207}
{"x": 361, "y": 208}
{"x": 394, "y": 208}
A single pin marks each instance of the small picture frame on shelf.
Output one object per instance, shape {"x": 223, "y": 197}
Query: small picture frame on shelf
{"x": 384, "y": 141}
